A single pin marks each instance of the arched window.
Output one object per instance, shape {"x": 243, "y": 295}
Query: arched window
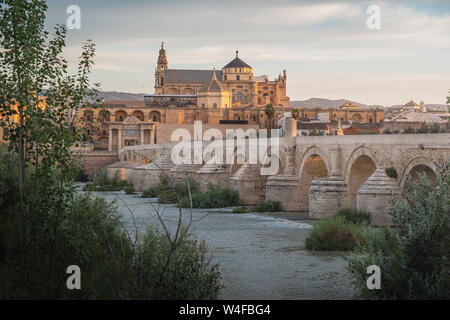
{"x": 239, "y": 96}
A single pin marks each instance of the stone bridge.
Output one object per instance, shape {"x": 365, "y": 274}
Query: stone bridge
{"x": 319, "y": 174}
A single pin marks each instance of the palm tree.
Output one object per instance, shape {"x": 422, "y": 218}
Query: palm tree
{"x": 269, "y": 111}
{"x": 295, "y": 113}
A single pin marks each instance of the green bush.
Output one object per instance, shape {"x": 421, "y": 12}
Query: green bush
{"x": 81, "y": 176}
{"x": 354, "y": 216}
{"x": 166, "y": 193}
{"x": 268, "y": 206}
{"x": 87, "y": 232}
{"x": 414, "y": 258}
{"x": 240, "y": 210}
{"x": 129, "y": 190}
{"x": 391, "y": 172}
{"x": 335, "y": 234}
{"x": 214, "y": 197}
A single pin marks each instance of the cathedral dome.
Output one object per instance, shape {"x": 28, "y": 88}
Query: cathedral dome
{"x": 237, "y": 63}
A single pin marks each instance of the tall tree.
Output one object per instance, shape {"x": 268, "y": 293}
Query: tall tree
{"x": 37, "y": 96}
{"x": 269, "y": 111}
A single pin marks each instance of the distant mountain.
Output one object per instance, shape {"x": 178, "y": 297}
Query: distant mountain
{"x": 326, "y": 103}
{"x": 115, "y": 95}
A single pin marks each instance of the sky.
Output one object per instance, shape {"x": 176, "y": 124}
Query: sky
{"x": 325, "y": 46}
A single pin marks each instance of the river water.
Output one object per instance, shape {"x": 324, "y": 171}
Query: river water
{"x": 261, "y": 256}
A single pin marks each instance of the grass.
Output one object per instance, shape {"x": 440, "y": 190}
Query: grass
{"x": 240, "y": 210}
{"x": 214, "y": 197}
{"x": 166, "y": 193}
{"x": 103, "y": 182}
{"x": 268, "y": 206}
{"x": 343, "y": 232}
{"x": 335, "y": 234}
{"x": 354, "y": 216}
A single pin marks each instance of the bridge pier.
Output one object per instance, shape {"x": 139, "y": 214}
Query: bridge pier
{"x": 375, "y": 195}
{"x": 250, "y": 184}
{"x": 327, "y": 197}
{"x": 285, "y": 189}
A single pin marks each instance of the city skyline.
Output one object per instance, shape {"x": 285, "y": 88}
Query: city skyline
{"x": 326, "y": 48}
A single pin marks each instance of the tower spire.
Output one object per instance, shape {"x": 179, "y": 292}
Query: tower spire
{"x": 237, "y": 54}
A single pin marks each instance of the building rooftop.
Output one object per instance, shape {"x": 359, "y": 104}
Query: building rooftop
{"x": 189, "y": 76}
{"x": 237, "y": 63}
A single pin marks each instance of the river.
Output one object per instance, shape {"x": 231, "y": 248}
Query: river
{"x": 261, "y": 256}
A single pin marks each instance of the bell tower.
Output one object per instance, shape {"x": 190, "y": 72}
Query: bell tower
{"x": 159, "y": 72}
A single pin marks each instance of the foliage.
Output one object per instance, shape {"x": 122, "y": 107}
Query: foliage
{"x": 103, "y": 182}
{"x": 89, "y": 234}
{"x": 335, "y": 234}
{"x": 414, "y": 258}
{"x": 81, "y": 176}
{"x": 45, "y": 226}
{"x": 315, "y": 132}
{"x": 269, "y": 110}
{"x": 391, "y": 172}
{"x": 189, "y": 276}
{"x": 168, "y": 194}
{"x": 129, "y": 190}
{"x": 268, "y": 206}
{"x": 240, "y": 210}
{"x": 214, "y": 197}
{"x": 409, "y": 130}
{"x": 296, "y": 113}
{"x": 354, "y": 216}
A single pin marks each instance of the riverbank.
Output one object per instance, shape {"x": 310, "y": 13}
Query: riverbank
{"x": 261, "y": 255}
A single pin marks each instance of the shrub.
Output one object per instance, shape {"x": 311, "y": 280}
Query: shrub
{"x": 268, "y": 206}
{"x": 335, "y": 234}
{"x": 414, "y": 258}
{"x": 240, "y": 210}
{"x": 391, "y": 172}
{"x": 81, "y": 176}
{"x": 129, "y": 190}
{"x": 165, "y": 192}
{"x": 354, "y": 216}
{"x": 88, "y": 232}
{"x": 214, "y": 197}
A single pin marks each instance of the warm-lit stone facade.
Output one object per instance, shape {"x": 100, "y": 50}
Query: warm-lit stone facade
{"x": 236, "y": 78}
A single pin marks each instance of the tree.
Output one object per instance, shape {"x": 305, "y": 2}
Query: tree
{"x": 415, "y": 258}
{"x": 269, "y": 111}
{"x": 37, "y": 95}
{"x": 296, "y": 113}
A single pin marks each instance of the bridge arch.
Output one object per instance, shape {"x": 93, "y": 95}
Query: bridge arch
{"x": 314, "y": 151}
{"x": 314, "y": 165}
{"x": 416, "y": 166}
{"x": 356, "y": 153}
{"x": 360, "y": 165}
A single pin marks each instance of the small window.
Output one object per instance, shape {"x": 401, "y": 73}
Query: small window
{"x": 238, "y": 78}
{"x": 104, "y": 132}
{"x": 215, "y": 105}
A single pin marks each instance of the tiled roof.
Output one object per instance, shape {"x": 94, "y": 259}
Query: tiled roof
{"x": 312, "y": 125}
{"x": 212, "y": 86}
{"x": 237, "y": 63}
{"x": 189, "y": 76}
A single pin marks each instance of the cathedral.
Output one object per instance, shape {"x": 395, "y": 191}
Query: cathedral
{"x": 235, "y": 83}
